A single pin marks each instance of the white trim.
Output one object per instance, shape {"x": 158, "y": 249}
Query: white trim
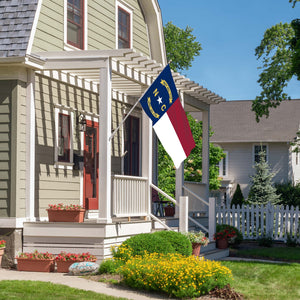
{"x": 12, "y": 222}
{"x": 129, "y": 10}
{"x": 59, "y": 164}
{"x": 68, "y": 47}
{"x": 34, "y": 26}
{"x": 253, "y": 151}
{"x": 30, "y": 146}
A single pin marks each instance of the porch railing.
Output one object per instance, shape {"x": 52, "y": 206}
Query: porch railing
{"x": 129, "y": 194}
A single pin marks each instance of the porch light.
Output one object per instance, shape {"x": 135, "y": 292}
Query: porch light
{"x": 81, "y": 122}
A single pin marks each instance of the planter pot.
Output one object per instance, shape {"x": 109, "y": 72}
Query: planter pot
{"x": 66, "y": 215}
{"x": 196, "y": 249}
{"x": 63, "y": 266}
{"x": 222, "y": 244}
{"x": 35, "y": 265}
{"x": 169, "y": 211}
{"x": 1, "y": 254}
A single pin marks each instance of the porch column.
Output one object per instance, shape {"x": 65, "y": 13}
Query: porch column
{"x": 147, "y": 154}
{"x": 104, "y": 188}
{"x": 179, "y": 175}
{"x": 205, "y": 150}
{"x": 30, "y": 147}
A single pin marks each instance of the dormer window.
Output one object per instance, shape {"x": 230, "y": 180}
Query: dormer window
{"x": 75, "y": 23}
{"x": 124, "y": 27}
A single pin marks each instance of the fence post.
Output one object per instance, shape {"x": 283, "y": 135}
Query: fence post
{"x": 183, "y": 213}
{"x": 211, "y": 218}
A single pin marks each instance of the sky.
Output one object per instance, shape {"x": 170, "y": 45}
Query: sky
{"x": 229, "y": 31}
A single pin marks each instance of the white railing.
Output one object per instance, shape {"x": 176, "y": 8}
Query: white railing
{"x": 130, "y": 196}
{"x": 255, "y": 221}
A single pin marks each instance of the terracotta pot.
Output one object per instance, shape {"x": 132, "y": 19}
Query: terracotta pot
{"x": 222, "y": 244}
{"x": 169, "y": 211}
{"x": 63, "y": 266}
{"x": 1, "y": 254}
{"x": 35, "y": 265}
{"x": 66, "y": 215}
{"x": 196, "y": 248}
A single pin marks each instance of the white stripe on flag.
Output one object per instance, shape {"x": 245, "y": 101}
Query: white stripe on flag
{"x": 169, "y": 139}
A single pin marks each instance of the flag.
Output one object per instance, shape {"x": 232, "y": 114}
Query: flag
{"x": 162, "y": 105}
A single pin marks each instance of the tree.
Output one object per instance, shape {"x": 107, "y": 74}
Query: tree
{"x": 279, "y": 51}
{"x": 193, "y": 164}
{"x": 262, "y": 190}
{"x": 181, "y": 46}
{"x": 238, "y": 198}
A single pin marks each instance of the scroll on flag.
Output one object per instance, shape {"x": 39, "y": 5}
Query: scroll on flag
{"x": 162, "y": 104}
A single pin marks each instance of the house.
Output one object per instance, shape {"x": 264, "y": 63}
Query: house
{"x": 237, "y": 132}
{"x": 70, "y": 72}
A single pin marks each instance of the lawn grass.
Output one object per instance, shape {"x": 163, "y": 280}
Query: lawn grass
{"x": 265, "y": 281}
{"x": 291, "y": 254}
{"x": 36, "y": 290}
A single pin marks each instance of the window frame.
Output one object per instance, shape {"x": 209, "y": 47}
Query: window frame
{"x": 221, "y": 166}
{"x": 57, "y": 162}
{"x": 255, "y": 154}
{"x": 69, "y": 46}
{"x": 124, "y": 7}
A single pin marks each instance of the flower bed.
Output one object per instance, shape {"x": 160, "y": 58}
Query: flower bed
{"x": 175, "y": 274}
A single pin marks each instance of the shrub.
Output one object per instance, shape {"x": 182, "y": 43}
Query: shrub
{"x": 110, "y": 266}
{"x": 238, "y": 198}
{"x": 179, "y": 242}
{"x": 265, "y": 241}
{"x": 290, "y": 242}
{"x": 289, "y": 193}
{"x": 141, "y": 243}
{"x": 233, "y": 241}
{"x": 174, "y": 274}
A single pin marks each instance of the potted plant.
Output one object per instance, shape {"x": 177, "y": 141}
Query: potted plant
{"x": 36, "y": 261}
{"x": 197, "y": 239}
{"x": 2, "y": 248}
{"x": 64, "y": 260}
{"x": 65, "y": 213}
{"x": 223, "y": 235}
{"x": 169, "y": 209}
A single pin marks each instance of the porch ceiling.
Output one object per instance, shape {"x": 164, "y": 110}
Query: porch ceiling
{"x": 132, "y": 72}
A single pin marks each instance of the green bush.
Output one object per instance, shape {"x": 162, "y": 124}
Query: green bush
{"x": 265, "y": 241}
{"x": 289, "y": 193}
{"x": 179, "y": 242}
{"x": 239, "y": 237}
{"x": 238, "y": 198}
{"x": 110, "y": 266}
{"x": 145, "y": 242}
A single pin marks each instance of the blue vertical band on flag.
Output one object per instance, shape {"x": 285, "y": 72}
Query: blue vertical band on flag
{"x": 160, "y": 96}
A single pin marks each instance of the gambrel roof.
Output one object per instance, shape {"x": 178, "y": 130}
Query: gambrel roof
{"x": 234, "y": 121}
{"x": 17, "y": 17}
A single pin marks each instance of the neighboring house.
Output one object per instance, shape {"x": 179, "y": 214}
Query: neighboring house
{"x": 70, "y": 71}
{"x": 237, "y": 132}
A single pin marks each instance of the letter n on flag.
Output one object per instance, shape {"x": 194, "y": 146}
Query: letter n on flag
{"x": 162, "y": 104}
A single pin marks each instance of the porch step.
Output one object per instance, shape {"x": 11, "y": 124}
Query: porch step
{"x": 216, "y": 254}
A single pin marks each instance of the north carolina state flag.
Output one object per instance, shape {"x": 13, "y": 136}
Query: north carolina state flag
{"x": 161, "y": 103}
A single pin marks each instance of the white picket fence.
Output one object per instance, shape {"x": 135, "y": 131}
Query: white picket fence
{"x": 255, "y": 221}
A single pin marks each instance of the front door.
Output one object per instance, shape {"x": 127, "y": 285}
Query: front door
{"x": 91, "y": 166}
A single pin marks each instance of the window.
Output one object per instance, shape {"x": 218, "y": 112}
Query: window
{"x": 75, "y": 23}
{"x": 63, "y": 137}
{"x": 223, "y": 166}
{"x": 124, "y": 27}
{"x": 257, "y": 150}
{"x": 63, "y": 152}
{"x": 132, "y": 146}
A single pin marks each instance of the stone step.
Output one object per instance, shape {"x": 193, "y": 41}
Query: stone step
{"x": 216, "y": 254}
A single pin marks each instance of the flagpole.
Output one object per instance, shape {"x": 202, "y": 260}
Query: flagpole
{"x": 133, "y": 107}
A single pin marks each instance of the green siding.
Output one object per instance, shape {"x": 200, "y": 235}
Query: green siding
{"x": 101, "y": 17}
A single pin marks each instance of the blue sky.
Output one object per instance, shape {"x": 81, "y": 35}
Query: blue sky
{"x": 229, "y": 31}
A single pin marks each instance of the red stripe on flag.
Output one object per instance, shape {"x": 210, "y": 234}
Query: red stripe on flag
{"x": 181, "y": 126}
